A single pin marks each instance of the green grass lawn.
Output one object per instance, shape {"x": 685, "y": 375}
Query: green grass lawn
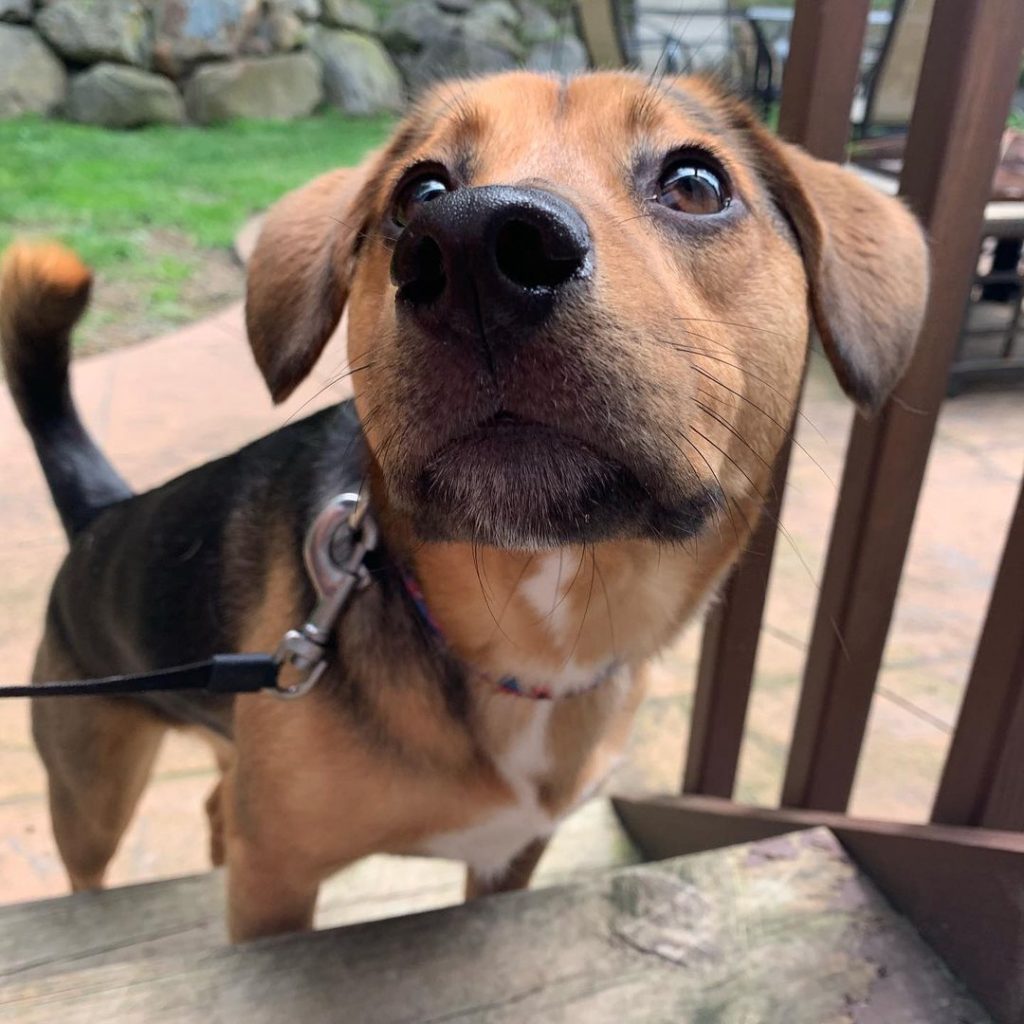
{"x": 154, "y": 211}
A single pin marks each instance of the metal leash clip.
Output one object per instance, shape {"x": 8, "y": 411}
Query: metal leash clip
{"x": 334, "y": 551}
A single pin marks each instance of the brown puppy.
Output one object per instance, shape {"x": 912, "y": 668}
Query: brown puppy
{"x": 578, "y": 317}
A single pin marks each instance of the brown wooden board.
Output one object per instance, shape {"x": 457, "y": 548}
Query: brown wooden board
{"x": 781, "y": 932}
{"x": 821, "y": 74}
{"x": 962, "y": 888}
{"x": 971, "y": 68}
{"x": 983, "y": 779}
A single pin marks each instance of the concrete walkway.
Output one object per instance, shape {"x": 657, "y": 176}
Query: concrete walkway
{"x": 165, "y": 405}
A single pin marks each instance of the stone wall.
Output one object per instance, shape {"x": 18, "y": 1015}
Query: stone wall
{"x": 127, "y": 63}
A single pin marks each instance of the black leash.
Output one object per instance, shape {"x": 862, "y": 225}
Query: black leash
{"x": 336, "y": 546}
{"x": 223, "y": 673}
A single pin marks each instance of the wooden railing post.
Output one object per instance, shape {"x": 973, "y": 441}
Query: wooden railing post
{"x": 970, "y": 70}
{"x": 983, "y": 780}
{"x": 598, "y": 24}
{"x": 817, "y": 93}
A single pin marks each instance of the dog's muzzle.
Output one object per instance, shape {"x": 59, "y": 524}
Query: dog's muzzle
{"x": 486, "y": 263}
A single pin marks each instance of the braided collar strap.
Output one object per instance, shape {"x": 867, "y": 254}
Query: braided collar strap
{"x": 506, "y": 684}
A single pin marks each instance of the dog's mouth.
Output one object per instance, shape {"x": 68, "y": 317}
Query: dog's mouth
{"x": 514, "y": 483}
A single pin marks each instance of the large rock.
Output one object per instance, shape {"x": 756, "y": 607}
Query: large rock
{"x": 87, "y": 31}
{"x": 280, "y": 31}
{"x": 538, "y": 25}
{"x": 32, "y": 79}
{"x": 189, "y": 31}
{"x": 493, "y": 23}
{"x": 359, "y": 76}
{"x": 279, "y": 88}
{"x": 566, "y": 56}
{"x": 284, "y": 29}
{"x": 307, "y": 10}
{"x": 121, "y": 97}
{"x": 432, "y": 43}
{"x": 350, "y": 14}
{"x": 16, "y": 10}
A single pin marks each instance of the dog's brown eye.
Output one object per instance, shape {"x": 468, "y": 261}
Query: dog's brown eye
{"x": 690, "y": 187}
{"x": 424, "y": 189}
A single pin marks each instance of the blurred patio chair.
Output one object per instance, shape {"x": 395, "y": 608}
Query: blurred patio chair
{"x": 682, "y": 36}
{"x": 892, "y": 83}
{"x": 991, "y": 345}
{"x": 603, "y": 27}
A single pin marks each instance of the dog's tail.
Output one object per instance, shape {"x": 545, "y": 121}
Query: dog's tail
{"x": 44, "y": 289}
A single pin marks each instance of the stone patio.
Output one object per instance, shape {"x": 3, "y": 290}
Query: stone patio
{"x": 167, "y": 404}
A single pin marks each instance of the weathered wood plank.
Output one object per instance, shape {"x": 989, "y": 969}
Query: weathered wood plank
{"x": 186, "y": 914}
{"x": 90, "y": 929}
{"x": 781, "y": 932}
{"x": 958, "y": 886}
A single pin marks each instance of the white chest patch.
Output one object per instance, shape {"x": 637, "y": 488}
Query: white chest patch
{"x": 545, "y": 591}
{"x": 489, "y": 844}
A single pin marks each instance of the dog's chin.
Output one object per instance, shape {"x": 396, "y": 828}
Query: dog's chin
{"x": 521, "y": 486}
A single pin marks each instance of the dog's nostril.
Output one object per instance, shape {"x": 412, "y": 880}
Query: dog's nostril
{"x": 524, "y": 255}
{"x": 423, "y": 273}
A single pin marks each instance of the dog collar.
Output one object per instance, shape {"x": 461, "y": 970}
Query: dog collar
{"x": 504, "y": 684}
{"x": 335, "y": 550}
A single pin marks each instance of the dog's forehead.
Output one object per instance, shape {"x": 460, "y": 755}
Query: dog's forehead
{"x": 598, "y": 117}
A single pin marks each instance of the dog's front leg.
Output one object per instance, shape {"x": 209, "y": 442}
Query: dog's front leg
{"x": 272, "y": 887}
{"x": 266, "y": 896}
{"x": 515, "y": 876}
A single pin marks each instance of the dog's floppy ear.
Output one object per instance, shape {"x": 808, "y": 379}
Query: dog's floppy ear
{"x": 866, "y": 261}
{"x": 299, "y": 275}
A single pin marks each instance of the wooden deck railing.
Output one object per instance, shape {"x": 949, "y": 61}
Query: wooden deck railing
{"x": 825, "y": 45}
{"x": 971, "y": 68}
{"x": 983, "y": 781}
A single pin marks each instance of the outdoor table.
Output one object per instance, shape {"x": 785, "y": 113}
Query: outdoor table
{"x": 885, "y": 155}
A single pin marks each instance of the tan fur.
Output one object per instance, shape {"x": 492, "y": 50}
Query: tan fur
{"x": 289, "y": 320}
{"x": 28, "y": 265}
{"x": 44, "y": 289}
{"x": 98, "y": 761}
{"x": 308, "y": 790}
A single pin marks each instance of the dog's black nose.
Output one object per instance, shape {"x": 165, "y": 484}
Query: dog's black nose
{"x": 489, "y": 260}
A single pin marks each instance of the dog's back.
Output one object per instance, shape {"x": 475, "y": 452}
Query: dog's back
{"x": 159, "y": 578}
